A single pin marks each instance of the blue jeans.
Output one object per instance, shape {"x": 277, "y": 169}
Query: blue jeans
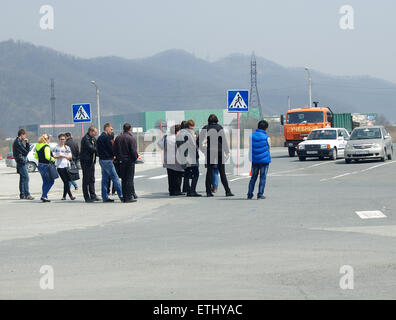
{"x": 47, "y": 181}
{"x": 262, "y": 169}
{"x": 73, "y": 183}
{"x": 23, "y": 180}
{"x": 109, "y": 172}
{"x": 215, "y": 177}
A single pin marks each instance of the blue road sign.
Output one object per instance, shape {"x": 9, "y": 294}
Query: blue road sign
{"x": 238, "y": 100}
{"x": 81, "y": 112}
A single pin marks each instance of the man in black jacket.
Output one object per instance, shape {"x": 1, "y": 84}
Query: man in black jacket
{"x": 125, "y": 151}
{"x": 20, "y": 150}
{"x": 106, "y": 157}
{"x": 88, "y": 156}
{"x": 75, "y": 150}
{"x": 216, "y": 150}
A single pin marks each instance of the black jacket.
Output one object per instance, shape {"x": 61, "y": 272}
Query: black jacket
{"x": 105, "y": 147}
{"x": 75, "y": 150}
{"x": 125, "y": 148}
{"x": 20, "y": 151}
{"x": 214, "y": 153}
{"x": 88, "y": 149}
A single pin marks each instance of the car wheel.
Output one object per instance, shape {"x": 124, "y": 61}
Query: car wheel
{"x": 321, "y": 158}
{"x": 302, "y": 158}
{"x": 334, "y": 154}
{"x": 292, "y": 152}
{"x": 348, "y": 160}
{"x": 31, "y": 166}
{"x": 390, "y": 155}
{"x": 383, "y": 159}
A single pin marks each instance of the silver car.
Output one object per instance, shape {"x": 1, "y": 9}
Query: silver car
{"x": 369, "y": 143}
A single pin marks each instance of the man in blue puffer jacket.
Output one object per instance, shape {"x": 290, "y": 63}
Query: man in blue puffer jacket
{"x": 259, "y": 155}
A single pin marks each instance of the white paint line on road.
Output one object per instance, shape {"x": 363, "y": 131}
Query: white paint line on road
{"x": 136, "y": 177}
{"x": 356, "y": 172}
{"x": 376, "y": 214}
{"x": 159, "y": 177}
{"x": 378, "y": 165}
{"x": 304, "y": 168}
{"x": 237, "y": 179}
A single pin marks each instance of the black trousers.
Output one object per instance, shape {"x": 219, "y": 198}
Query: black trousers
{"x": 209, "y": 178}
{"x": 174, "y": 181}
{"x": 127, "y": 174}
{"x": 88, "y": 183}
{"x": 193, "y": 174}
{"x": 65, "y": 179}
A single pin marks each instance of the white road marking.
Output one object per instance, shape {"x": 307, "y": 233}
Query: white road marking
{"x": 384, "y": 231}
{"x": 356, "y": 172}
{"x": 378, "y": 165}
{"x": 159, "y": 177}
{"x": 136, "y": 177}
{"x": 237, "y": 179}
{"x": 376, "y": 214}
{"x": 304, "y": 168}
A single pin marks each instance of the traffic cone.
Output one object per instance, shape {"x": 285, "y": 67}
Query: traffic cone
{"x": 250, "y": 173}
{"x": 1, "y": 158}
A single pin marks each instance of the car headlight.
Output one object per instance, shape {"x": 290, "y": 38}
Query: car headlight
{"x": 301, "y": 147}
{"x": 324, "y": 146}
{"x": 376, "y": 145}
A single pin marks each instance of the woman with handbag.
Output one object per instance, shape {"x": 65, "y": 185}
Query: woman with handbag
{"x": 46, "y": 166}
{"x": 63, "y": 155}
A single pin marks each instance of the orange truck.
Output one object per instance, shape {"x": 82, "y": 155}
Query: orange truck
{"x": 299, "y": 123}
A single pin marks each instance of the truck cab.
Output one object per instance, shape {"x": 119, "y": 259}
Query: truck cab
{"x": 299, "y": 123}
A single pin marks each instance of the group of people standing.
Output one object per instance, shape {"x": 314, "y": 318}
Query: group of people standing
{"x": 118, "y": 155}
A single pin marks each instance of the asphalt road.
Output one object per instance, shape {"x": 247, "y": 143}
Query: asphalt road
{"x": 289, "y": 246}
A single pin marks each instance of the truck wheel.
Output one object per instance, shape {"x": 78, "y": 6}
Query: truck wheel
{"x": 301, "y": 158}
{"x": 31, "y": 166}
{"x": 334, "y": 154}
{"x": 292, "y": 151}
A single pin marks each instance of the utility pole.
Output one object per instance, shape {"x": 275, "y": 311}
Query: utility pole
{"x": 254, "y": 95}
{"x": 97, "y": 104}
{"x": 309, "y": 87}
{"x": 53, "y": 122}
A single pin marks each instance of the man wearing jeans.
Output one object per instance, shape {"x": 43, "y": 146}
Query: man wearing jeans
{"x": 20, "y": 149}
{"x": 259, "y": 155}
{"x": 106, "y": 157}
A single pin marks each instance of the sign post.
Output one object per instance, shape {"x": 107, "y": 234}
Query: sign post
{"x": 238, "y": 101}
{"x": 81, "y": 114}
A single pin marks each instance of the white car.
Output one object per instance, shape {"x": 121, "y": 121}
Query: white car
{"x": 32, "y": 161}
{"x": 324, "y": 143}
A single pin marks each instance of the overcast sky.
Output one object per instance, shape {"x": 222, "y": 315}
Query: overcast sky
{"x": 290, "y": 32}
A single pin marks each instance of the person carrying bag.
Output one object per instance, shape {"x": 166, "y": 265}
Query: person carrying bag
{"x": 46, "y": 165}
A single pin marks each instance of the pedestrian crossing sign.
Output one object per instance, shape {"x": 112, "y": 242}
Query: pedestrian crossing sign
{"x": 238, "y": 100}
{"x": 81, "y": 112}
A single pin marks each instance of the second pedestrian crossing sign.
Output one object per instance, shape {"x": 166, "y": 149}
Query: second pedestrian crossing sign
{"x": 81, "y": 112}
{"x": 238, "y": 100}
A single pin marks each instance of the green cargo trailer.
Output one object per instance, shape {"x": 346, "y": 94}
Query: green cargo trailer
{"x": 342, "y": 120}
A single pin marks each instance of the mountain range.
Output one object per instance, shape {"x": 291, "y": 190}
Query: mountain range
{"x": 170, "y": 80}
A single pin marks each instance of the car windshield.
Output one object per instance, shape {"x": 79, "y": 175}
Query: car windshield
{"x": 366, "y": 133}
{"x": 323, "y": 135}
{"x": 305, "y": 117}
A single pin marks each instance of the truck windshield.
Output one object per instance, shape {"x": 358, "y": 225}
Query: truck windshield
{"x": 323, "y": 135}
{"x": 366, "y": 133}
{"x": 305, "y": 117}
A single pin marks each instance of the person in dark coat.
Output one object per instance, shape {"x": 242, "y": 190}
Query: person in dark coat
{"x": 20, "y": 150}
{"x": 216, "y": 153}
{"x": 75, "y": 150}
{"x": 88, "y": 156}
{"x": 259, "y": 155}
{"x": 125, "y": 151}
{"x": 106, "y": 157}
